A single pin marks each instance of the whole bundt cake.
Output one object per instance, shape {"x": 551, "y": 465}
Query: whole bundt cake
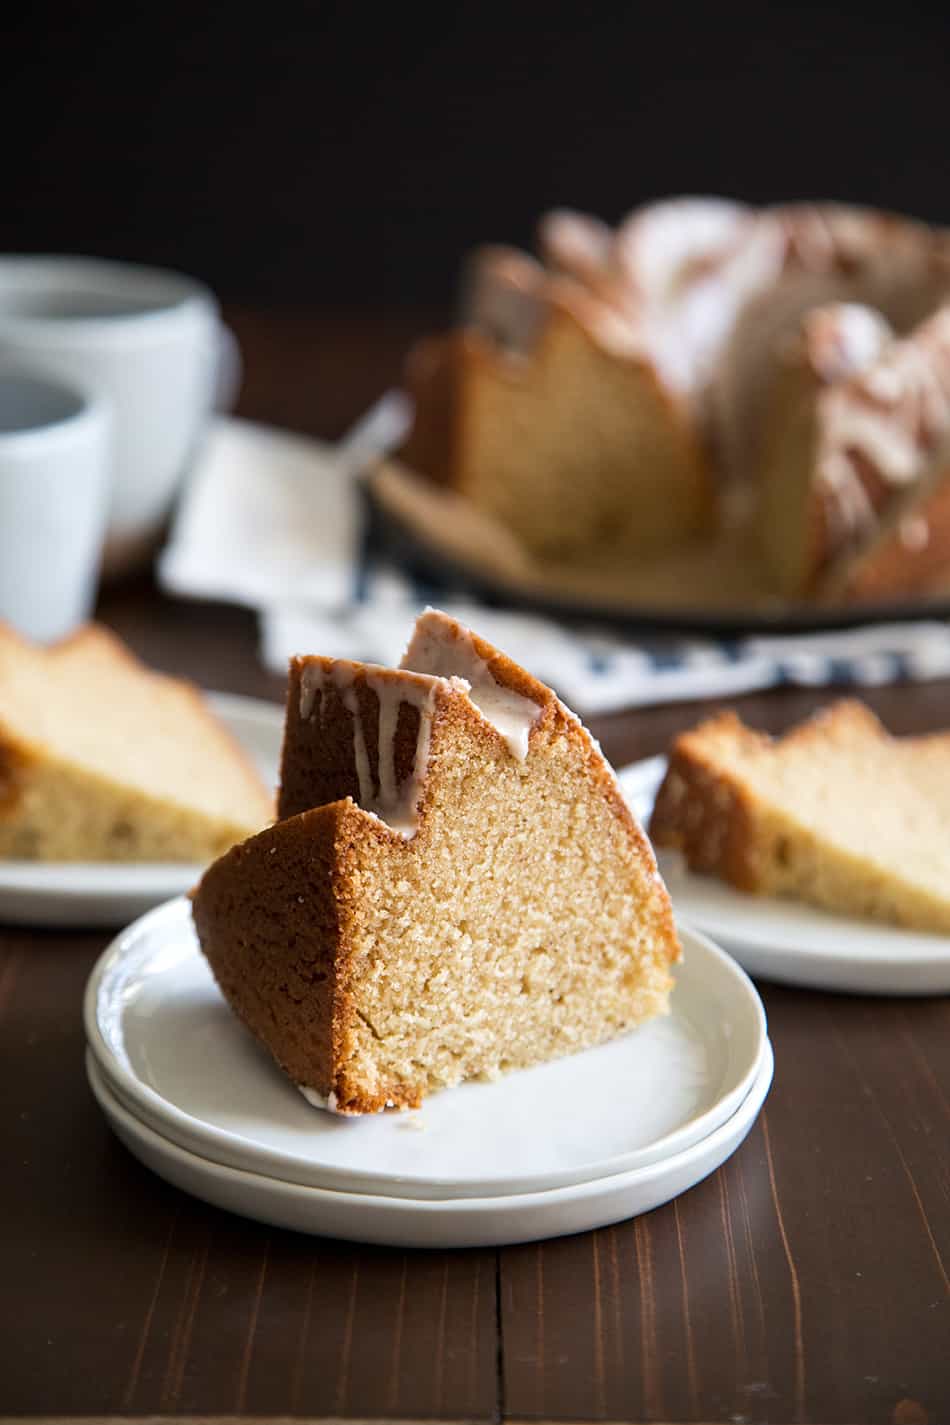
{"x": 705, "y": 366}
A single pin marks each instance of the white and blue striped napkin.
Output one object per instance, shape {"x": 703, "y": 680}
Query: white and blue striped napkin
{"x": 274, "y": 521}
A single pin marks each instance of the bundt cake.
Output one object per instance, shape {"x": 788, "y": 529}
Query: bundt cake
{"x": 583, "y": 400}
{"x": 837, "y": 813}
{"x": 455, "y": 886}
{"x": 102, "y": 759}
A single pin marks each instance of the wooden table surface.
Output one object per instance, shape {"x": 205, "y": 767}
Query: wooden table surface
{"x": 807, "y": 1280}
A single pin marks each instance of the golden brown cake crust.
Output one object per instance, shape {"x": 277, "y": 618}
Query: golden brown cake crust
{"x": 288, "y": 978}
{"x": 14, "y": 770}
{"x": 698, "y": 813}
{"x": 429, "y": 376}
{"x": 711, "y": 816}
{"x": 836, "y": 813}
{"x": 283, "y": 978}
{"x": 457, "y": 378}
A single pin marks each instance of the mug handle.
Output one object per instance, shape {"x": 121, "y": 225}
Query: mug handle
{"x": 228, "y": 370}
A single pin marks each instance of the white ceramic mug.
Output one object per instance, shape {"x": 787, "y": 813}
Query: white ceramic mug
{"x": 151, "y": 341}
{"x": 55, "y": 467}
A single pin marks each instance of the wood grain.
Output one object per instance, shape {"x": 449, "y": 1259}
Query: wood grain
{"x": 120, "y": 1295}
{"x": 805, "y": 1281}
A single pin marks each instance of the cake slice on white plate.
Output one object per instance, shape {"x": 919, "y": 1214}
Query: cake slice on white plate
{"x": 456, "y": 888}
{"x": 837, "y": 813}
{"x": 102, "y": 759}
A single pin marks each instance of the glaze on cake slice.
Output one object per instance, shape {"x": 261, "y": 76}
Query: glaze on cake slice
{"x": 457, "y": 887}
{"x": 857, "y": 453}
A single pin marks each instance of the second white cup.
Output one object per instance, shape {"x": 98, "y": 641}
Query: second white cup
{"x": 55, "y": 470}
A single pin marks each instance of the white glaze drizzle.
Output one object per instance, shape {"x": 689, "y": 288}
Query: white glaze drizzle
{"x": 326, "y": 1102}
{"x": 843, "y": 338}
{"x": 311, "y": 683}
{"x": 680, "y": 273}
{"x": 892, "y": 417}
{"x": 395, "y": 803}
{"x": 913, "y": 532}
{"x": 659, "y": 247}
{"x": 506, "y": 296}
{"x": 671, "y": 280}
{"x": 360, "y": 755}
{"x": 331, "y": 1104}
{"x": 574, "y": 243}
{"x": 435, "y": 651}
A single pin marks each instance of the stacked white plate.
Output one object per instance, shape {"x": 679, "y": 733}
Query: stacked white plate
{"x": 588, "y": 1140}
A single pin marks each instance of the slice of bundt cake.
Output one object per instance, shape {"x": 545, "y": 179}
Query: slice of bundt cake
{"x": 102, "y": 759}
{"x": 546, "y": 410}
{"x": 456, "y": 887}
{"x": 682, "y": 268}
{"x": 837, "y": 813}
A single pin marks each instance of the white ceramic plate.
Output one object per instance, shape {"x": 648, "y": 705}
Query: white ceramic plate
{"x": 457, "y": 1222}
{"x": 786, "y": 941}
{"x": 106, "y": 894}
{"x": 178, "y": 1059}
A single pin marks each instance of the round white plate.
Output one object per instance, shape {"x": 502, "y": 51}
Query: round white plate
{"x": 175, "y": 1055}
{"x": 456, "y": 1222}
{"x": 109, "y": 894}
{"x": 787, "y": 941}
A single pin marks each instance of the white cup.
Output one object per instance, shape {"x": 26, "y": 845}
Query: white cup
{"x": 55, "y": 459}
{"x": 151, "y": 342}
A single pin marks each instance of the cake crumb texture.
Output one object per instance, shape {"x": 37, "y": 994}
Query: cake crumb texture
{"x": 102, "y": 759}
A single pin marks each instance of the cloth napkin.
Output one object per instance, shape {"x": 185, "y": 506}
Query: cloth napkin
{"x": 275, "y": 521}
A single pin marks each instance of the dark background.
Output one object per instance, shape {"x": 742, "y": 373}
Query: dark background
{"x": 346, "y": 155}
